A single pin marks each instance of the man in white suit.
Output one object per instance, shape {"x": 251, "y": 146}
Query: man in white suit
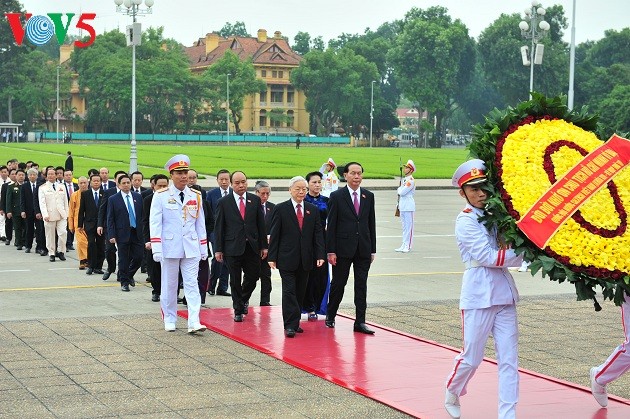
{"x": 178, "y": 241}
{"x": 53, "y": 205}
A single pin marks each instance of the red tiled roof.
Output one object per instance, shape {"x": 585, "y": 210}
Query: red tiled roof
{"x": 244, "y": 47}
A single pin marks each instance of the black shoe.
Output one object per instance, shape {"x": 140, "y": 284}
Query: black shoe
{"x": 2, "y": 239}
{"x": 290, "y": 333}
{"x": 98, "y": 271}
{"x": 106, "y": 276}
{"x": 362, "y": 328}
{"x": 133, "y": 282}
{"x": 28, "y": 250}
{"x": 246, "y": 308}
{"x": 43, "y": 252}
{"x": 155, "y": 298}
{"x": 211, "y": 292}
{"x": 89, "y": 271}
{"x": 329, "y": 323}
{"x": 225, "y": 294}
{"x": 19, "y": 248}
{"x": 8, "y": 242}
{"x": 52, "y": 258}
{"x": 61, "y": 256}
{"x": 124, "y": 288}
{"x": 299, "y": 330}
{"x": 265, "y": 304}
{"x": 184, "y": 302}
{"x": 238, "y": 318}
{"x": 69, "y": 248}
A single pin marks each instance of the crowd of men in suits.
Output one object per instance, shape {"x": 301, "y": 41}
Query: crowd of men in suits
{"x": 111, "y": 221}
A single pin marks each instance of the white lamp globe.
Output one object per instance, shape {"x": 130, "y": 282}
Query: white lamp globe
{"x": 523, "y": 25}
{"x": 541, "y": 11}
{"x": 544, "y": 25}
{"x": 127, "y": 3}
{"x": 149, "y": 3}
{"x": 118, "y": 2}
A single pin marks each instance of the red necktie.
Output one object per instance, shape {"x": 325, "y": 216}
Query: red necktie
{"x": 356, "y": 203}
{"x": 300, "y": 216}
{"x": 241, "y": 207}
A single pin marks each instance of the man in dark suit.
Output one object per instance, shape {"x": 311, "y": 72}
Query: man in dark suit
{"x": 8, "y": 233}
{"x": 124, "y": 229}
{"x": 192, "y": 183}
{"x": 240, "y": 236}
{"x": 219, "y": 270}
{"x": 263, "y": 191}
{"x": 296, "y": 240}
{"x": 29, "y": 191}
{"x": 70, "y": 188}
{"x": 105, "y": 182}
{"x": 69, "y": 164}
{"x": 101, "y": 229}
{"x": 88, "y": 220}
{"x": 136, "y": 182}
{"x": 350, "y": 240}
{"x": 154, "y": 269}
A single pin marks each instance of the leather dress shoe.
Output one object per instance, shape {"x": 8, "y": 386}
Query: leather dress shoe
{"x": 265, "y": 304}
{"x": 68, "y": 248}
{"x": 225, "y": 294}
{"x": 19, "y": 248}
{"x": 8, "y": 242}
{"x": 169, "y": 327}
{"x": 133, "y": 282}
{"x": 61, "y": 256}
{"x": 329, "y": 323}
{"x": 238, "y": 318}
{"x": 89, "y": 271}
{"x": 43, "y": 252}
{"x": 98, "y": 271}
{"x": 155, "y": 298}
{"x": 211, "y": 292}
{"x": 290, "y": 333}
{"x": 52, "y": 258}
{"x": 362, "y": 328}
{"x": 299, "y": 330}
{"x": 106, "y": 276}
{"x": 246, "y": 308}
{"x": 197, "y": 329}
{"x": 28, "y": 250}
{"x": 124, "y": 288}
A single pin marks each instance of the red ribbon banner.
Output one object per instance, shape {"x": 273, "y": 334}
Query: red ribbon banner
{"x": 579, "y": 184}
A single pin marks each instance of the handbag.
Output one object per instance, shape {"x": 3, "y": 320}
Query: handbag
{"x": 397, "y": 213}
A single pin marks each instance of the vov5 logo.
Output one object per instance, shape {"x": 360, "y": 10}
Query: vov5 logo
{"x": 40, "y": 29}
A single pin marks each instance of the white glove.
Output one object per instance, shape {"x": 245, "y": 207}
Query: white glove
{"x": 157, "y": 257}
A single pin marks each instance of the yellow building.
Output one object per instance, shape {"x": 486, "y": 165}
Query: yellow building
{"x": 273, "y": 60}
{"x": 74, "y": 101}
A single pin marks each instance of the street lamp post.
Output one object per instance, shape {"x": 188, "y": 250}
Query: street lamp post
{"x": 371, "y": 110}
{"x": 535, "y": 30}
{"x": 57, "y": 109}
{"x": 227, "y": 106}
{"x": 572, "y": 62}
{"x": 134, "y": 34}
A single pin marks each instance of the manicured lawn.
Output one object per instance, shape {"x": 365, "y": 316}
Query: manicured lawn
{"x": 257, "y": 162}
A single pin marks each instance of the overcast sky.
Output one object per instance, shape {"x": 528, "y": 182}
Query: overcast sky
{"x": 188, "y": 20}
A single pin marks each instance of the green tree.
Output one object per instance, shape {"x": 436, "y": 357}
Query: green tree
{"x": 318, "y": 44}
{"x": 302, "y": 43}
{"x": 499, "y": 50}
{"x": 236, "y": 29}
{"x": 243, "y": 82}
{"x": 428, "y": 60}
{"x": 337, "y": 85}
{"x": 10, "y": 61}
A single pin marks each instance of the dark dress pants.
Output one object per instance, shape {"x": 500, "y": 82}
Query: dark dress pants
{"x": 293, "y": 289}
{"x": 30, "y": 231}
{"x": 265, "y": 282}
{"x": 219, "y": 273}
{"x": 129, "y": 258}
{"x": 8, "y": 228}
{"x": 203, "y": 279}
{"x": 316, "y": 288}
{"x": 340, "y": 274}
{"x": 110, "y": 256}
{"x": 247, "y": 267}
{"x": 96, "y": 249}
{"x": 40, "y": 235}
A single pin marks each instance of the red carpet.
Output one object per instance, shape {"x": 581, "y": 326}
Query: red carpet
{"x": 400, "y": 370}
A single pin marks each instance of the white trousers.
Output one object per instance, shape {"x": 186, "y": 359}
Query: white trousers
{"x": 58, "y": 227}
{"x": 619, "y": 360}
{"x": 168, "y": 293}
{"x": 477, "y": 324}
{"x": 406, "y": 218}
{"x": 2, "y": 225}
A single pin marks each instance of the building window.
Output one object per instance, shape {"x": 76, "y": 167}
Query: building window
{"x": 263, "y": 98}
{"x": 262, "y": 120}
{"x": 277, "y": 93}
{"x": 263, "y": 73}
{"x": 290, "y": 119}
{"x": 274, "y": 74}
{"x": 290, "y": 95}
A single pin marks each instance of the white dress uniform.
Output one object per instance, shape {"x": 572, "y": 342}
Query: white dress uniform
{"x": 2, "y": 216}
{"x": 178, "y": 241}
{"x": 487, "y": 301}
{"x": 407, "y": 208}
{"x": 617, "y": 363}
{"x": 53, "y": 203}
{"x": 330, "y": 181}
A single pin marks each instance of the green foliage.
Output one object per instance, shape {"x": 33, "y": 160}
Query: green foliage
{"x": 236, "y": 29}
{"x": 302, "y": 43}
{"x": 242, "y": 79}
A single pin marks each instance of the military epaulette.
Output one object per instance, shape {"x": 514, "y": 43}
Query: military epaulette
{"x": 161, "y": 190}
{"x": 467, "y": 210}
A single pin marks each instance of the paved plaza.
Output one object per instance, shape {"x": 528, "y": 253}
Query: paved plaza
{"x": 72, "y": 345}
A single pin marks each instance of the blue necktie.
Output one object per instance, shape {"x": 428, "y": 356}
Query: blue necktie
{"x": 132, "y": 217}
{"x": 96, "y": 198}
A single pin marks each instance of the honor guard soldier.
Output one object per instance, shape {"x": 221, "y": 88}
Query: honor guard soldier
{"x": 407, "y": 205}
{"x": 488, "y": 296}
{"x": 330, "y": 181}
{"x": 178, "y": 241}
